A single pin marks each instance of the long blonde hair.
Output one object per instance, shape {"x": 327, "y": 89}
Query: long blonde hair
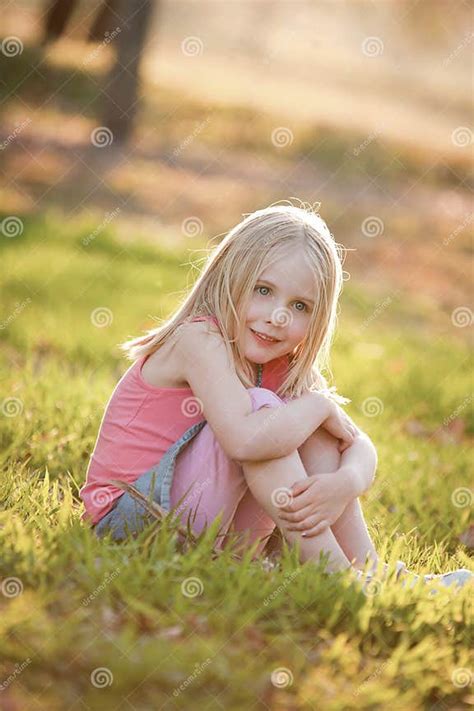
{"x": 226, "y": 282}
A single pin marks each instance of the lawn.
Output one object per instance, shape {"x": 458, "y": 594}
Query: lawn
{"x": 150, "y": 623}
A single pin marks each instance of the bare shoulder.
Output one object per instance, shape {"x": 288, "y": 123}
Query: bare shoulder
{"x": 194, "y": 336}
{"x": 165, "y": 368}
{"x": 198, "y": 333}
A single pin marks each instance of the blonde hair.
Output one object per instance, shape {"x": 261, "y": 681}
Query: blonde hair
{"x": 227, "y": 280}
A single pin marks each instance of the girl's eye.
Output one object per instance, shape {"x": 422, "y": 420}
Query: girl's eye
{"x": 305, "y": 308}
{"x": 303, "y": 305}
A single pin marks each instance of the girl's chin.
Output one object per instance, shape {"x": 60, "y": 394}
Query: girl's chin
{"x": 257, "y": 357}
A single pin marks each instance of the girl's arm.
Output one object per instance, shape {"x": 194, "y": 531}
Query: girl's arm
{"x": 289, "y": 426}
{"x": 358, "y": 464}
{"x": 269, "y": 432}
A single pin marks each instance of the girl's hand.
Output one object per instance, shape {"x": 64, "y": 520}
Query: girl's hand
{"x": 317, "y": 502}
{"x": 340, "y": 426}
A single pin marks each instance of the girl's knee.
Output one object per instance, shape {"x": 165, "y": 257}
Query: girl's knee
{"x": 325, "y": 438}
{"x": 320, "y": 452}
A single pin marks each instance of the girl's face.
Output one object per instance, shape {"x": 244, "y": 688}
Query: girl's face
{"x": 280, "y": 307}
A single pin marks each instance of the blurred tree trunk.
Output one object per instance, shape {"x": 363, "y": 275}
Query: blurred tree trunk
{"x": 105, "y": 21}
{"x": 56, "y": 18}
{"x": 121, "y": 86}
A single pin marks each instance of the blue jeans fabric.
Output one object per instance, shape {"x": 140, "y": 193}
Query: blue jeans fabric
{"x": 129, "y": 516}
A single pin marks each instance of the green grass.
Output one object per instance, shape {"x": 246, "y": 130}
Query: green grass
{"x": 86, "y": 604}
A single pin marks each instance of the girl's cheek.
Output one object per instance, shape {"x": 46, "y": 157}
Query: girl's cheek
{"x": 299, "y": 333}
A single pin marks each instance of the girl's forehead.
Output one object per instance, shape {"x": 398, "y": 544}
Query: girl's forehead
{"x": 289, "y": 266}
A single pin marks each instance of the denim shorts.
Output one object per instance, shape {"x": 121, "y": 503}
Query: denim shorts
{"x": 128, "y": 516}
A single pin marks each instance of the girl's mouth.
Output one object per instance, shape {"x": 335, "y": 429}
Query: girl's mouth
{"x": 261, "y": 338}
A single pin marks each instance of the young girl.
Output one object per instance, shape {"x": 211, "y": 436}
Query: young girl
{"x": 226, "y": 411}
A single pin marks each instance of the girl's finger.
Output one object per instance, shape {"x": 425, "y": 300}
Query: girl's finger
{"x": 305, "y": 525}
{"x": 299, "y": 487}
{"x": 316, "y": 530}
{"x": 296, "y": 516}
{"x": 302, "y": 501}
{"x": 294, "y": 505}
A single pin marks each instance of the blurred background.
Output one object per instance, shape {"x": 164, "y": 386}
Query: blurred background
{"x": 175, "y": 118}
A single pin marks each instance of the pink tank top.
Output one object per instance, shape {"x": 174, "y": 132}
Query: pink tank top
{"x": 139, "y": 424}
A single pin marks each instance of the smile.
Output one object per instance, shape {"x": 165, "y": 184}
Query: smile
{"x": 262, "y": 337}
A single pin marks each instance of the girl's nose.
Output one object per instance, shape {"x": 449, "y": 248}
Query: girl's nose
{"x": 280, "y": 316}
{"x": 273, "y": 317}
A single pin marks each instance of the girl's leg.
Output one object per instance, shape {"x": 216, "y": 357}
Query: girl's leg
{"x": 267, "y": 481}
{"x": 251, "y": 522}
{"x": 207, "y": 483}
{"x": 320, "y": 454}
